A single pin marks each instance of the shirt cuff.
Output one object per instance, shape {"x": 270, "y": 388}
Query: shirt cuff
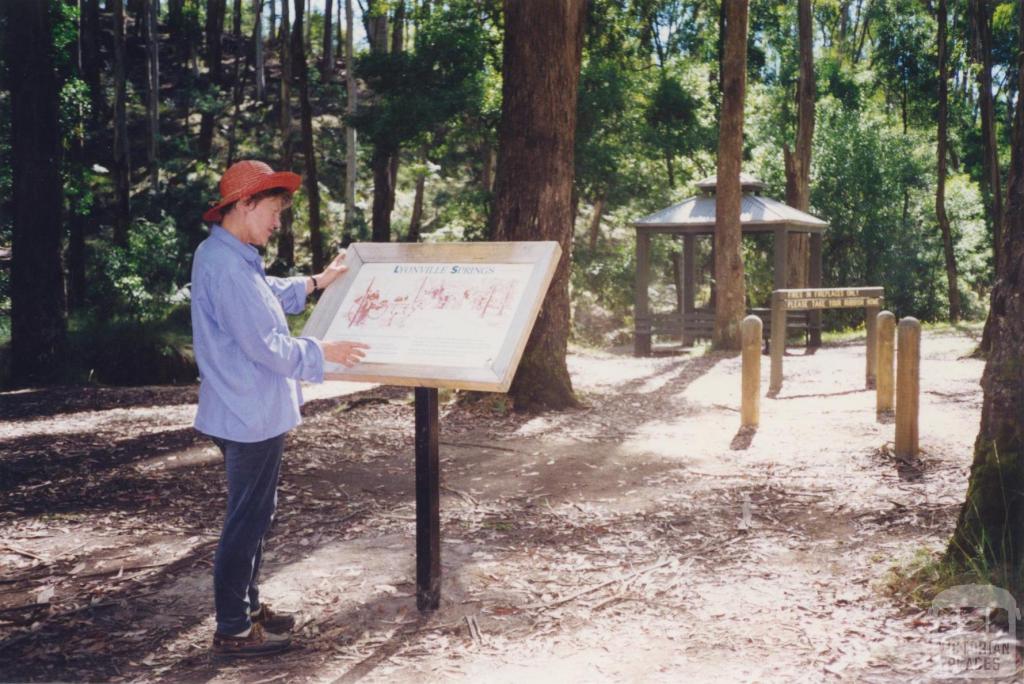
{"x": 293, "y": 298}
{"x": 313, "y": 360}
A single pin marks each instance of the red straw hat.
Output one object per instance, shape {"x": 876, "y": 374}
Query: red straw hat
{"x": 246, "y": 178}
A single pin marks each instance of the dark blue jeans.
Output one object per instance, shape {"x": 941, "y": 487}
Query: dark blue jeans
{"x": 252, "y": 469}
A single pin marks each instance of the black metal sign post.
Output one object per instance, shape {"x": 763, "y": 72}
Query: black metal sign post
{"x": 428, "y": 509}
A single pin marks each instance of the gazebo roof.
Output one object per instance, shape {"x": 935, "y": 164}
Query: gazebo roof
{"x": 757, "y": 213}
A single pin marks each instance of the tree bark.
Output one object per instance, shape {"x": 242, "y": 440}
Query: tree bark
{"x": 981, "y": 17}
{"x": 383, "y": 192}
{"x": 350, "y": 131}
{"x": 309, "y": 12}
{"x": 375, "y": 23}
{"x": 273, "y": 20}
{"x": 257, "y": 41}
{"x": 285, "y": 236}
{"x": 38, "y": 324}
{"x": 90, "y": 31}
{"x": 122, "y": 160}
{"x": 730, "y": 284}
{"x": 990, "y": 528}
{"x": 327, "y": 60}
{"x": 533, "y": 186}
{"x": 385, "y": 158}
{"x": 941, "y": 153}
{"x": 595, "y": 221}
{"x": 153, "y": 93}
{"x": 215, "y": 63}
{"x": 416, "y": 221}
{"x": 316, "y": 245}
{"x": 798, "y": 162}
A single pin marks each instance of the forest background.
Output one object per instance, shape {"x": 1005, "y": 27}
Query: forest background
{"x": 155, "y": 99}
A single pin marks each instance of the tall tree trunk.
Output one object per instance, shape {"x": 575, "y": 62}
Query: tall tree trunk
{"x": 285, "y": 236}
{"x": 308, "y": 39}
{"x": 416, "y": 221}
{"x": 38, "y": 323}
{"x": 981, "y": 17}
{"x": 487, "y": 172}
{"x": 730, "y": 284}
{"x": 237, "y": 84}
{"x": 341, "y": 28}
{"x": 327, "y": 59}
{"x": 153, "y": 93}
{"x": 990, "y": 528}
{"x": 350, "y": 131}
{"x": 398, "y": 28}
{"x": 316, "y": 243}
{"x": 798, "y": 162}
{"x": 385, "y": 157}
{"x": 273, "y": 20}
{"x": 383, "y": 192}
{"x": 941, "y": 152}
{"x": 533, "y": 186}
{"x": 90, "y": 30}
{"x": 215, "y": 63}
{"x": 122, "y": 160}
{"x": 595, "y": 222}
{"x": 375, "y": 23}
{"x": 257, "y": 42}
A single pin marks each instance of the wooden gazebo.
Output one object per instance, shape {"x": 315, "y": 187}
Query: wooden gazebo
{"x": 694, "y": 218}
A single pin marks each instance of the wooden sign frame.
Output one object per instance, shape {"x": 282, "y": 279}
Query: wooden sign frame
{"x": 497, "y": 377}
{"x": 810, "y": 299}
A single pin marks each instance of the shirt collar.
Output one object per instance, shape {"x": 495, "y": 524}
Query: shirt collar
{"x": 247, "y": 252}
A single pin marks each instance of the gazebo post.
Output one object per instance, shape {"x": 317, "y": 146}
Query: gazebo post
{"x": 642, "y": 317}
{"x": 689, "y": 280}
{"x": 780, "y": 239}
{"x": 815, "y": 281}
{"x": 712, "y": 302}
{"x": 781, "y": 236}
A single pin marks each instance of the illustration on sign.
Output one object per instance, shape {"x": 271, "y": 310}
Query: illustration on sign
{"x": 440, "y": 314}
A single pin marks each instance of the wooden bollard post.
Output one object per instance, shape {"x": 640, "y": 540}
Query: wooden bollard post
{"x": 908, "y": 386}
{"x": 750, "y": 404}
{"x": 871, "y": 355}
{"x": 885, "y": 386}
{"x": 778, "y": 342}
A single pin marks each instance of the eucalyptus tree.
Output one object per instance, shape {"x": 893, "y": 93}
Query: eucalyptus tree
{"x": 38, "y": 324}
{"x": 533, "y": 186}
{"x": 730, "y": 283}
{"x": 308, "y": 149}
{"x": 990, "y": 527}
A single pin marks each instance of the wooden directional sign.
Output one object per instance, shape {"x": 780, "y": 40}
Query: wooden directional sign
{"x": 453, "y": 315}
{"x": 831, "y": 298}
{"x": 868, "y": 298}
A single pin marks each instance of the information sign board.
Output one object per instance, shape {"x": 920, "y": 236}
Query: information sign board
{"x": 454, "y": 315}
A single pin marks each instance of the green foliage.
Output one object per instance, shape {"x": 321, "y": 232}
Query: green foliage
{"x": 418, "y": 92}
{"x": 874, "y": 186}
{"x": 140, "y": 281}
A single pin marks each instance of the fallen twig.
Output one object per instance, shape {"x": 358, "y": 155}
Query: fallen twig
{"x": 23, "y": 552}
{"x": 591, "y": 590}
{"x": 461, "y": 494}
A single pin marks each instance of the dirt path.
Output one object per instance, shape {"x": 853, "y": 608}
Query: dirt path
{"x": 641, "y": 538}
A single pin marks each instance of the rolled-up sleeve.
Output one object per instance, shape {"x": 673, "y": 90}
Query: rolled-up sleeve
{"x": 243, "y": 312}
{"x": 291, "y": 292}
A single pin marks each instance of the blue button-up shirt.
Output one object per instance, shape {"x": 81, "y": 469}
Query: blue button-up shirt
{"x": 249, "y": 364}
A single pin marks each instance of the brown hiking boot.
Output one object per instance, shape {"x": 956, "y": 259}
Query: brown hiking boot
{"x": 272, "y": 621}
{"x": 257, "y": 642}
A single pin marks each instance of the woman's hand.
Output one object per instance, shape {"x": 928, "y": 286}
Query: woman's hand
{"x": 347, "y": 354}
{"x": 333, "y": 271}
